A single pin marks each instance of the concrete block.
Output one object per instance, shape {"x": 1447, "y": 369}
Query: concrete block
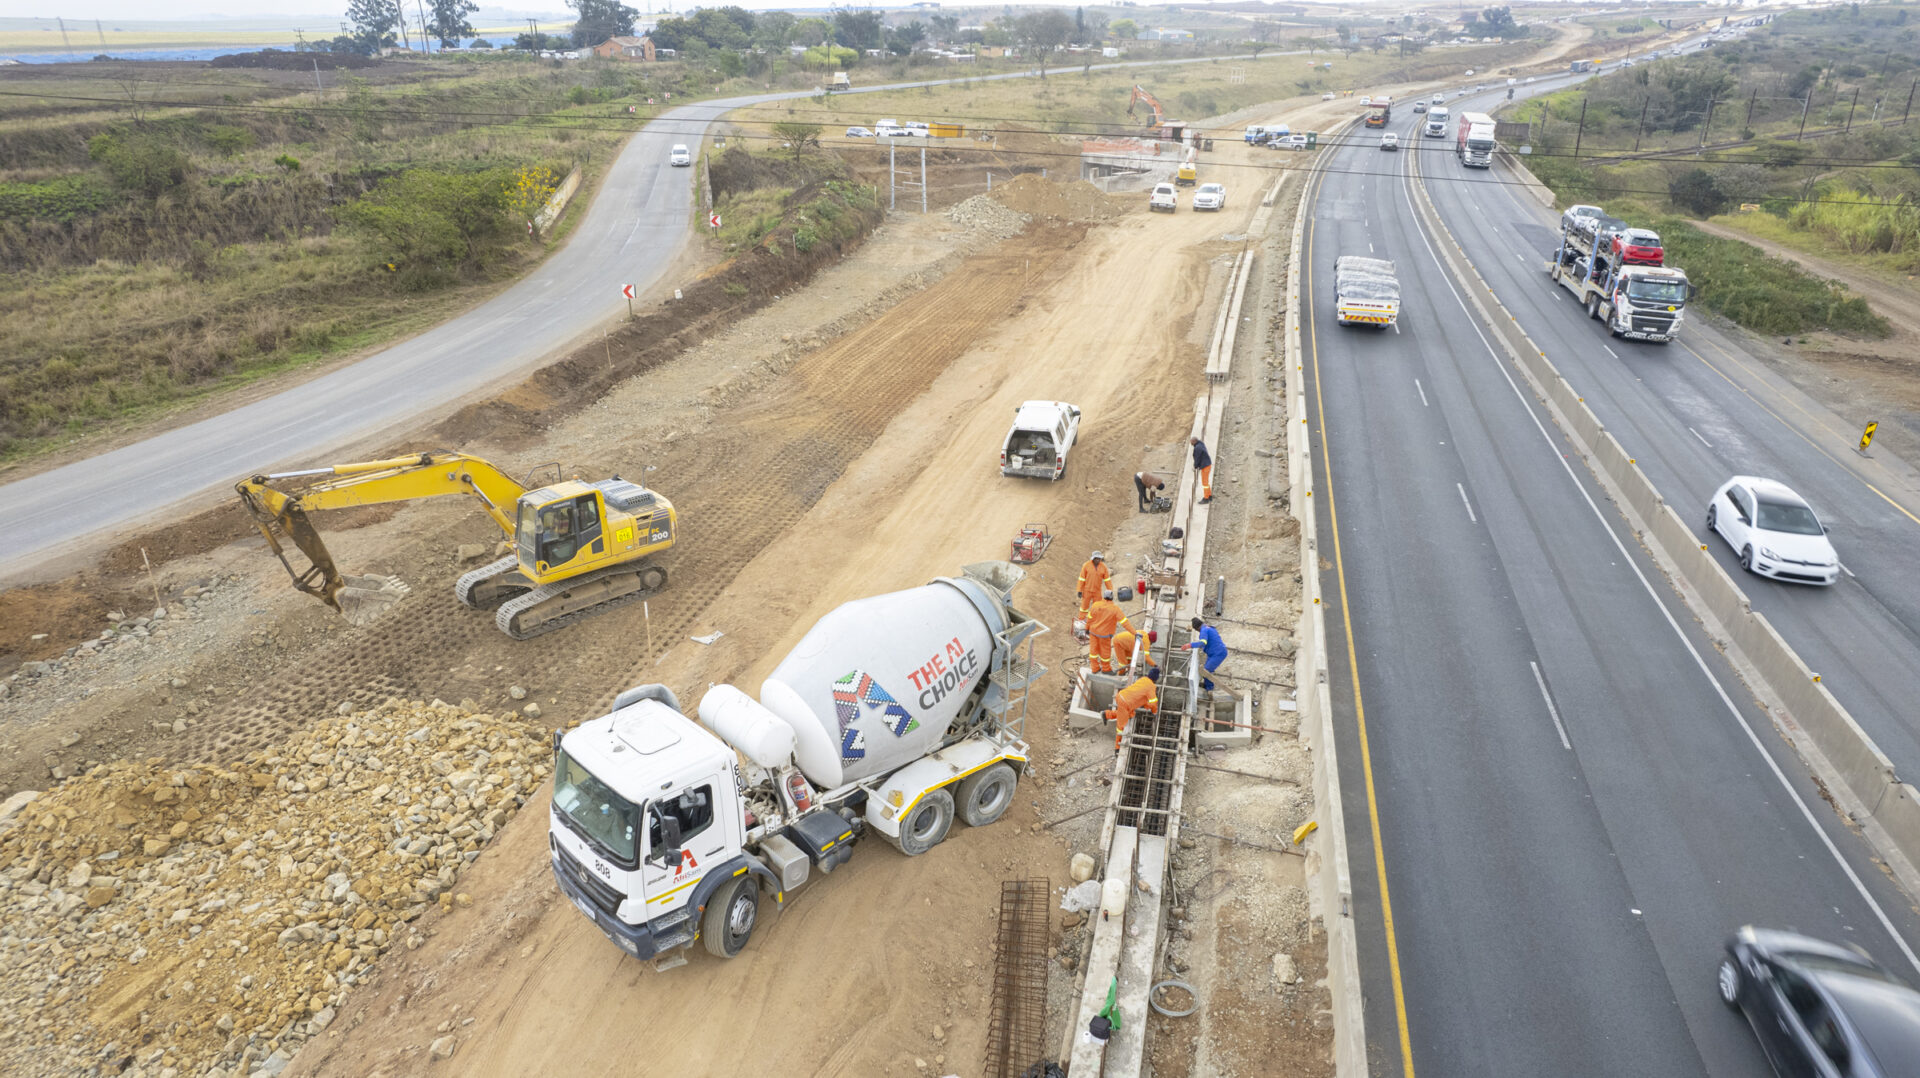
{"x": 1092, "y": 696}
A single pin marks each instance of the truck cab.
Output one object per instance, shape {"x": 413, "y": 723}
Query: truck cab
{"x": 646, "y": 825}
{"x": 1436, "y": 126}
{"x": 1042, "y": 435}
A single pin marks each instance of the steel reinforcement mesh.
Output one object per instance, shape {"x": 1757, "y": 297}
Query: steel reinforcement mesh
{"x": 1017, "y": 1016}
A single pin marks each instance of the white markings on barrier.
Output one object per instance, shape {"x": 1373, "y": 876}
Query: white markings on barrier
{"x": 1465, "y": 502}
{"x": 1720, "y": 690}
{"x": 1696, "y": 434}
{"x": 1423, "y": 394}
{"x": 1552, "y": 711}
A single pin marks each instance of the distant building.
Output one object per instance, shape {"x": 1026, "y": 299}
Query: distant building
{"x": 1166, "y": 35}
{"x": 626, "y": 48}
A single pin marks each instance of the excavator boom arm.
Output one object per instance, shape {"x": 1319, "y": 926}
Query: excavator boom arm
{"x": 282, "y": 513}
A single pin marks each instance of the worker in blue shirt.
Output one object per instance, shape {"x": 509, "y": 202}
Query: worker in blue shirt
{"x": 1203, "y": 467}
{"x": 1207, "y": 637}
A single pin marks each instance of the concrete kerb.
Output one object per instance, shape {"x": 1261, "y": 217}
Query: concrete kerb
{"x": 1840, "y": 754}
{"x": 1330, "y": 890}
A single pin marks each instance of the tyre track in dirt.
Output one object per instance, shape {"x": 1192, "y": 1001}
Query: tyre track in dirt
{"x": 738, "y": 487}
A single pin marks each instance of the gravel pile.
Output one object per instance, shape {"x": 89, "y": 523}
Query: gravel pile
{"x": 983, "y": 214}
{"x": 179, "y": 921}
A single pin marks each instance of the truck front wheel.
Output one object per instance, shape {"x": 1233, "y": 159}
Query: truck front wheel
{"x": 730, "y": 915}
{"x": 986, "y": 795}
{"x": 927, "y": 827}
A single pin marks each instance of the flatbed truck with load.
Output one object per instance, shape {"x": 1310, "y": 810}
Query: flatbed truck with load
{"x": 891, "y": 717}
{"x": 1379, "y": 111}
{"x": 1365, "y": 292}
{"x": 1635, "y": 301}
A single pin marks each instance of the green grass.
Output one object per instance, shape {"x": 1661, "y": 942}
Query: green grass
{"x": 1895, "y": 269}
{"x": 1765, "y": 294}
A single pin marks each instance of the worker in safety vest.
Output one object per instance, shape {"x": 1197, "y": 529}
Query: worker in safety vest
{"x": 1123, "y": 643}
{"x": 1143, "y": 693}
{"x": 1203, "y": 468}
{"x": 1103, "y": 620}
{"x": 1094, "y": 579}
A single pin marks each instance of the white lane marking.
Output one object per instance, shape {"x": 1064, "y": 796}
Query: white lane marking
{"x": 1844, "y": 569}
{"x": 1423, "y": 394}
{"x": 1557, "y": 295}
{"x": 1696, "y": 434}
{"x": 1720, "y": 690}
{"x": 1611, "y": 352}
{"x": 1465, "y": 502}
{"x": 1396, "y": 328}
{"x": 1369, "y": 248}
{"x": 1551, "y": 710}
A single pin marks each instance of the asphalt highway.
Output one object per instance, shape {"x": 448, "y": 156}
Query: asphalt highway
{"x": 1697, "y": 411}
{"x": 634, "y": 232}
{"x": 1560, "y": 800}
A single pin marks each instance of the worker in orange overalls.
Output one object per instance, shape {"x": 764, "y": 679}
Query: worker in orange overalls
{"x": 1103, "y": 620}
{"x": 1123, "y": 643}
{"x": 1094, "y": 579}
{"x": 1144, "y": 693}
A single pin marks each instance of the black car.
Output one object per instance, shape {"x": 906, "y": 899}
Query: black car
{"x": 1821, "y": 1009}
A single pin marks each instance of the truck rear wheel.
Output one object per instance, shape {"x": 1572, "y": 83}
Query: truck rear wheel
{"x": 927, "y": 827}
{"x": 986, "y": 795}
{"x": 1593, "y": 307}
{"x": 731, "y": 912}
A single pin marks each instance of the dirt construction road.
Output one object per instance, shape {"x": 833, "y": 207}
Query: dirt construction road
{"x": 895, "y": 428}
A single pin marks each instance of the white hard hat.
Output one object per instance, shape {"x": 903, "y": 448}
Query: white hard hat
{"x": 1097, "y": 556}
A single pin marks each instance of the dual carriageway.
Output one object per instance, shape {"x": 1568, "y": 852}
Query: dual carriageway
{"x": 1561, "y": 798}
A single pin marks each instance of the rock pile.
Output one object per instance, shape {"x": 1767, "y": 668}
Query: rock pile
{"x": 1036, "y": 196}
{"x": 983, "y": 215}
{"x": 185, "y": 920}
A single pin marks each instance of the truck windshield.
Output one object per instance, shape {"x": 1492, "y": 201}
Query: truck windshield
{"x": 608, "y": 820}
{"x": 1480, "y": 145}
{"x": 1657, "y": 292}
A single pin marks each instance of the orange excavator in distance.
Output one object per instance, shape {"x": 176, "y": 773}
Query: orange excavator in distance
{"x": 1161, "y": 127}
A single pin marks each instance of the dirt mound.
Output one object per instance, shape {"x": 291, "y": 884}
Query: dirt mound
{"x": 1076, "y": 201}
{"x": 984, "y": 215}
{"x": 195, "y": 916}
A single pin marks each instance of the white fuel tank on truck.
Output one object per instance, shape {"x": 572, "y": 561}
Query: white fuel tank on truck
{"x": 878, "y": 682}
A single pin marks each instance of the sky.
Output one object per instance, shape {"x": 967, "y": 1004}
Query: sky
{"x": 324, "y": 11}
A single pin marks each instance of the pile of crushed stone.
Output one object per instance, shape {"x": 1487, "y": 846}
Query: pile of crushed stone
{"x": 185, "y": 920}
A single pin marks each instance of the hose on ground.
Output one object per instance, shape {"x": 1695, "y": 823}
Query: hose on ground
{"x": 1153, "y": 998}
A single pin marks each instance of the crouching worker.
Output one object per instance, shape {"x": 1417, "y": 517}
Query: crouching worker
{"x": 1142, "y": 694}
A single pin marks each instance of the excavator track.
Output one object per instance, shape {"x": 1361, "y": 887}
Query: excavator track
{"x": 463, "y": 588}
{"x": 576, "y": 598}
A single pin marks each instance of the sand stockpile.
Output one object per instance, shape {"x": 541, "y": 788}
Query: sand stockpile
{"x": 160, "y": 919}
{"x": 1077, "y": 201}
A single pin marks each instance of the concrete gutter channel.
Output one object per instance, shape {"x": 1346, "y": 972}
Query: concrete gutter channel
{"x": 1841, "y": 755}
{"x": 1127, "y": 929}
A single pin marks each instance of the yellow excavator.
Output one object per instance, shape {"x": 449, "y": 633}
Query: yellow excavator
{"x": 578, "y": 547}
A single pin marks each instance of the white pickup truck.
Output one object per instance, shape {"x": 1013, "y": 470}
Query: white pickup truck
{"x": 1164, "y": 196}
{"x": 1037, "y": 444}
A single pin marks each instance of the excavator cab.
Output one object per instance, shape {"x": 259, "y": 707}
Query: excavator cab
{"x": 554, "y": 533}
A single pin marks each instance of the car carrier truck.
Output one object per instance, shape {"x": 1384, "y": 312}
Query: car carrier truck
{"x": 1636, "y": 301}
{"x": 891, "y": 717}
{"x": 1365, "y": 291}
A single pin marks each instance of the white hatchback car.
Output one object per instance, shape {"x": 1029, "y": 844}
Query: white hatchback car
{"x": 680, "y": 157}
{"x": 1773, "y": 530}
{"x": 1389, "y": 141}
{"x": 1210, "y": 196}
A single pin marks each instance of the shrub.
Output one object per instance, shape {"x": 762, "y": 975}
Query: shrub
{"x": 227, "y": 140}
{"x": 1697, "y": 192}
{"x": 424, "y": 217}
{"x": 1764, "y": 294}
{"x": 143, "y": 164}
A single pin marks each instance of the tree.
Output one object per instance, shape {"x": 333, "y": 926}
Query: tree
{"x": 773, "y": 30}
{"x": 1744, "y": 183}
{"x": 1263, "y": 35}
{"x": 902, "y": 39}
{"x": 856, "y": 29}
{"x": 1696, "y": 191}
{"x": 427, "y": 217}
{"x": 599, "y": 20}
{"x": 1079, "y": 24}
{"x": 810, "y": 31}
{"x": 1124, "y": 29}
{"x": 1499, "y": 22}
{"x": 797, "y": 135}
{"x": 374, "y": 23}
{"x": 447, "y": 21}
{"x": 1042, "y": 32}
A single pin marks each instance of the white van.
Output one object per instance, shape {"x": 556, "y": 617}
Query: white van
{"x": 1037, "y": 444}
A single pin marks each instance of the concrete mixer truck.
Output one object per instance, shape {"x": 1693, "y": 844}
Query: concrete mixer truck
{"x": 891, "y": 717}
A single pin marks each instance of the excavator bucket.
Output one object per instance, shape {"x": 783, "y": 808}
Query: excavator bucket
{"x": 361, "y": 599}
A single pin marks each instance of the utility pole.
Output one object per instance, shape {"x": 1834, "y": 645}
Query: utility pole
{"x": 1580, "y": 131}
{"x": 1803, "y": 117}
{"x": 64, "y": 40}
{"x": 1910, "y": 90}
{"x": 891, "y": 175}
{"x": 426, "y": 42}
{"x": 318, "y": 88}
{"x": 1644, "y": 103}
{"x": 1854, "y": 105}
{"x": 1708, "y": 124}
{"x": 923, "y": 179}
{"x": 1748, "y": 123}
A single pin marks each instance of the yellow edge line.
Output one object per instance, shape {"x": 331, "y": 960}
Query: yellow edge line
{"x": 1353, "y": 664}
{"x": 1802, "y": 435}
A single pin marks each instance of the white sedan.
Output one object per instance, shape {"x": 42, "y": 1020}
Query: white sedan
{"x": 680, "y": 156}
{"x": 1210, "y": 196}
{"x": 1389, "y": 141}
{"x": 1773, "y": 530}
